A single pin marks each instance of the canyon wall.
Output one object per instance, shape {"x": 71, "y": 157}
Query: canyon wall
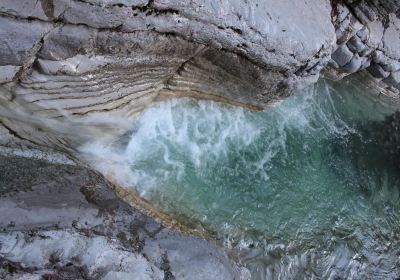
{"x": 74, "y": 69}
{"x": 67, "y": 58}
{"x": 78, "y": 58}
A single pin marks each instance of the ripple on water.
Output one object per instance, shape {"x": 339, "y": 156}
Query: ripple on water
{"x": 299, "y": 190}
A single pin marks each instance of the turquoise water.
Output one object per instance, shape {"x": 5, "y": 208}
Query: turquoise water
{"x": 302, "y": 190}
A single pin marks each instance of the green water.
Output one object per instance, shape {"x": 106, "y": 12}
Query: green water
{"x": 300, "y": 191}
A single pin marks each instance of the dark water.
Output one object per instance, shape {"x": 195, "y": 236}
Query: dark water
{"x": 303, "y": 190}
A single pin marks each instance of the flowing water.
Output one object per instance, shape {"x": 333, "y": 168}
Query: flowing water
{"x": 302, "y": 190}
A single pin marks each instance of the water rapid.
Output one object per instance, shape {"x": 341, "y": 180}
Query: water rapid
{"x": 302, "y": 190}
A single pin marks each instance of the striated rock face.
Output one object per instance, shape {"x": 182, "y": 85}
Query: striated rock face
{"x": 80, "y": 57}
{"x": 64, "y": 59}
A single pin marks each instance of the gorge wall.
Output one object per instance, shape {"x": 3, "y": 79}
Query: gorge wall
{"x": 82, "y": 58}
{"x": 74, "y": 69}
{"x": 249, "y": 53}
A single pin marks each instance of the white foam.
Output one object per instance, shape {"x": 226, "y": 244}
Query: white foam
{"x": 205, "y": 131}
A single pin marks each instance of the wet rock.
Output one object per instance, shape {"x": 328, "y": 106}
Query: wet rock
{"x": 342, "y": 55}
{"x": 377, "y": 71}
{"x": 391, "y": 65}
{"x": 363, "y": 34}
{"x": 356, "y": 45}
{"x": 354, "y": 65}
{"x": 393, "y": 79}
{"x": 378, "y": 57}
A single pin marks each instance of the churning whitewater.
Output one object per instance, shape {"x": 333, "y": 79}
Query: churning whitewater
{"x": 302, "y": 188}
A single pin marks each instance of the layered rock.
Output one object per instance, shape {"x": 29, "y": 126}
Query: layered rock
{"x": 71, "y": 70}
{"x": 368, "y": 40}
{"x": 81, "y": 57}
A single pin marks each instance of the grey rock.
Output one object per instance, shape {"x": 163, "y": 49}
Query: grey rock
{"x": 361, "y": 15}
{"x": 388, "y": 64}
{"x": 69, "y": 210}
{"x": 365, "y": 63}
{"x": 178, "y": 256}
{"x": 354, "y": 65}
{"x": 342, "y": 13}
{"x": 378, "y": 57}
{"x": 347, "y": 28}
{"x": 17, "y": 37}
{"x": 391, "y": 38}
{"x": 23, "y": 8}
{"x": 342, "y": 55}
{"x": 376, "y": 30}
{"x": 241, "y": 51}
{"x": 356, "y": 25}
{"x": 76, "y": 12}
{"x": 394, "y": 91}
{"x": 67, "y": 41}
{"x": 391, "y": 65}
{"x": 367, "y": 11}
{"x": 343, "y": 32}
{"x": 356, "y": 45}
{"x": 393, "y": 79}
{"x": 8, "y": 72}
{"x": 333, "y": 64}
{"x": 119, "y": 2}
{"x": 363, "y": 34}
{"x": 377, "y": 71}
{"x": 383, "y": 7}
{"x": 366, "y": 52}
